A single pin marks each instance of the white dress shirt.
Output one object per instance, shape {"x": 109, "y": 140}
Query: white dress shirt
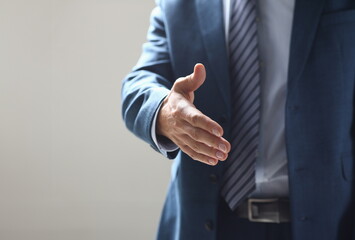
{"x": 274, "y": 34}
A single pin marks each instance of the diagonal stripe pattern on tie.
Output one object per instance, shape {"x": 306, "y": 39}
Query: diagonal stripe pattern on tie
{"x": 239, "y": 176}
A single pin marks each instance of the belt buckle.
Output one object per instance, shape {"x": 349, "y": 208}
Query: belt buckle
{"x": 253, "y": 210}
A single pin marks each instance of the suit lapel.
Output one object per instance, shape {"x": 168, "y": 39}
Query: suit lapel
{"x": 210, "y": 15}
{"x": 305, "y": 21}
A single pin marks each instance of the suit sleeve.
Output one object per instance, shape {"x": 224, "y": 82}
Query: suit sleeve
{"x": 149, "y": 82}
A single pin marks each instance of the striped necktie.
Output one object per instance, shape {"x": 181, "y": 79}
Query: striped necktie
{"x": 239, "y": 177}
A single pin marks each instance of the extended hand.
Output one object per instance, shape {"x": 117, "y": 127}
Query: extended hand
{"x": 193, "y": 132}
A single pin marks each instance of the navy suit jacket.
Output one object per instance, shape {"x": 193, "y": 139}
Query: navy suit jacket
{"x": 319, "y": 113}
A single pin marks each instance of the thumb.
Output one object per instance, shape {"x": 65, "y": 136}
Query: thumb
{"x": 192, "y": 82}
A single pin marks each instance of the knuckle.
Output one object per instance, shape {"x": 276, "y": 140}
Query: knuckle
{"x": 184, "y": 147}
{"x": 211, "y": 151}
{"x": 205, "y": 160}
{"x": 194, "y": 118}
{"x": 184, "y": 136}
{"x": 181, "y": 107}
{"x": 215, "y": 142}
{"x": 195, "y": 146}
{"x": 175, "y": 112}
{"x": 175, "y": 124}
{"x": 194, "y": 133}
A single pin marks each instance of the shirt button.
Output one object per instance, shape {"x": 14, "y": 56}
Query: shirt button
{"x": 213, "y": 178}
{"x": 209, "y": 225}
{"x": 257, "y": 19}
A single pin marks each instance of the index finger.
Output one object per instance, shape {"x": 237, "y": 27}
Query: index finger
{"x": 197, "y": 119}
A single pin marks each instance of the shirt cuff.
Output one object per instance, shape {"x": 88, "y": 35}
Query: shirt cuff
{"x": 164, "y": 146}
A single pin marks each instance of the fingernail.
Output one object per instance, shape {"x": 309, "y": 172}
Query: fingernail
{"x": 219, "y": 155}
{"x": 216, "y": 132}
{"x": 222, "y": 147}
{"x": 212, "y": 162}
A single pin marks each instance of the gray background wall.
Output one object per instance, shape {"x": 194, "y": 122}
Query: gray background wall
{"x": 68, "y": 167}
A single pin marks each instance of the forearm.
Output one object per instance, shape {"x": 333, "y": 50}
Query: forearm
{"x": 149, "y": 82}
{"x": 139, "y": 105}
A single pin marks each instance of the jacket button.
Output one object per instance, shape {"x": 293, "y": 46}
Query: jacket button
{"x": 209, "y": 225}
{"x": 213, "y": 178}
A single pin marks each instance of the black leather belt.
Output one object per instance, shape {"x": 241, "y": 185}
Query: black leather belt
{"x": 271, "y": 210}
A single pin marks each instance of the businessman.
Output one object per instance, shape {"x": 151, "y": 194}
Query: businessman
{"x": 254, "y": 101}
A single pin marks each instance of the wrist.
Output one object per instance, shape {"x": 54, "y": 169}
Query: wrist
{"x": 161, "y": 118}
